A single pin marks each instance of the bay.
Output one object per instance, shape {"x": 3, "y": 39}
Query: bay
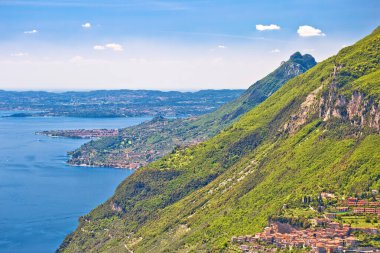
{"x": 41, "y": 197}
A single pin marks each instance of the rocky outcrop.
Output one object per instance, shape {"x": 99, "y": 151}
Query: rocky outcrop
{"x": 115, "y": 207}
{"x": 307, "y": 108}
{"x": 358, "y": 110}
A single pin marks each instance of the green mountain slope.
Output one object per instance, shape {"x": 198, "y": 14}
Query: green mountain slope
{"x": 136, "y": 146}
{"x": 319, "y": 132}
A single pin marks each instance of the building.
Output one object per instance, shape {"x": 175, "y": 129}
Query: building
{"x": 342, "y": 209}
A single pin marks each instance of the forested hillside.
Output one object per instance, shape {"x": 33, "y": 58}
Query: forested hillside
{"x": 136, "y": 146}
{"x": 318, "y": 132}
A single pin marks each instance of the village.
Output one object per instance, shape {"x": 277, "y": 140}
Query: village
{"x": 81, "y": 133}
{"x": 328, "y": 232}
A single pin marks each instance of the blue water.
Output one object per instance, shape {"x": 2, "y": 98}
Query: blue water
{"x": 41, "y": 198}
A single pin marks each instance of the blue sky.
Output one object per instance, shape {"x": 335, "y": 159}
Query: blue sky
{"x": 168, "y": 45}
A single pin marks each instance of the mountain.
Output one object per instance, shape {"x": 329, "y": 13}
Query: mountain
{"x": 115, "y": 103}
{"x": 136, "y": 146}
{"x": 318, "y": 133}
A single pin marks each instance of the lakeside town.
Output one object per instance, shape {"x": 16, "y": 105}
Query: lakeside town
{"x": 81, "y": 133}
{"x": 135, "y": 159}
{"x": 349, "y": 226}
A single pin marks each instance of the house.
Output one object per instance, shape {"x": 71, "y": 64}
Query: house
{"x": 342, "y": 209}
{"x": 370, "y": 210}
{"x": 359, "y": 210}
{"x": 362, "y": 203}
{"x": 334, "y": 225}
{"x": 352, "y": 241}
{"x": 244, "y": 248}
{"x": 327, "y": 195}
{"x": 330, "y": 215}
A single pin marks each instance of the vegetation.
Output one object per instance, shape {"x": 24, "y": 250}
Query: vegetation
{"x": 152, "y": 140}
{"x": 195, "y": 199}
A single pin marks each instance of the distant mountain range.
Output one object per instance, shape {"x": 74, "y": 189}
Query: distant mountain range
{"x": 318, "y": 133}
{"x": 115, "y": 103}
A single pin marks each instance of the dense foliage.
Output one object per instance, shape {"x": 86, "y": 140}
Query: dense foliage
{"x": 195, "y": 199}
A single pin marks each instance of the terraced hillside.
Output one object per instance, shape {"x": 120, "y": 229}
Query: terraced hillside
{"x": 318, "y": 132}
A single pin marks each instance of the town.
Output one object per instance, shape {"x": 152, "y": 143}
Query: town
{"x": 81, "y": 133}
{"x": 334, "y": 231}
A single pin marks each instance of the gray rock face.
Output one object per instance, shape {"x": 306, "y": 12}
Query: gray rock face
{"x": 357, "y": 109}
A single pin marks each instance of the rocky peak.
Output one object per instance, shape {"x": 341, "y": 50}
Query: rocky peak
{"x": 296, "y": 65}
{"x": 306, "y": 61}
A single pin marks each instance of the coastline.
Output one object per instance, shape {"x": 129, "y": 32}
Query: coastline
{"x": 99, "y": 166}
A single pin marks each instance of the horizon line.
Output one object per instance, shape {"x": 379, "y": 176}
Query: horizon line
{"x": 90, "y": 90}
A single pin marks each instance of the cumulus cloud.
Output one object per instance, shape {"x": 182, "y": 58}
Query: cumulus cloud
{"x": 20, "y": 54}
{"x": 114, "y": 47}
{"x": 309, "y": 31}
{"x": 31, "y": 31}
{"x": 274, "y": 51}
{"x": 99, "y": 47}
{"x": 267, "y": 27}
{"x": 110, "y": 46}
{"x": 86, "y": 25}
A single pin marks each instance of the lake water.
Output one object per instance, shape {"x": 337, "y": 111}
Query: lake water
{"x": 41, "y": 198}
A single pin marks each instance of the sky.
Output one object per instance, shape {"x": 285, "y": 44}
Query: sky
{"x": 168, "y": 44}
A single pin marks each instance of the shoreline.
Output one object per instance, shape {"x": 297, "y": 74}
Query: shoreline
{"x": 98, "y": 166}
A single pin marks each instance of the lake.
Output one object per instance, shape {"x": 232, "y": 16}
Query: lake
{"x": 41, "y": 197}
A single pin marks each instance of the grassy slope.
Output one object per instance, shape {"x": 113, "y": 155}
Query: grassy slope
{"x": 170, "y": 133}
{"x": 196, "y": 199}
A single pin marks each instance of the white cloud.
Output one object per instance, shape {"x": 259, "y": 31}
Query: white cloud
{"x": 20, "y": 54}
{"x": 222, "y": 46}
{"x": 267, "y": 27}
{"x": 99, "y": 47}
{"x": 114, "y": 47}
{"x": 276, "y": 50}
{"x": 86, "y": 25}
{"x": 111, "y": 46}
{"x": 31, "y": 31}
{"x": 309, "y": 31}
